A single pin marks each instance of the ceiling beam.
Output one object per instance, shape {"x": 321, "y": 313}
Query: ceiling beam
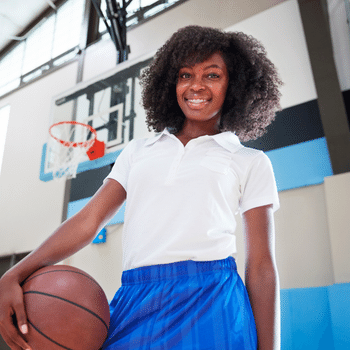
{"x": 314, "y": 15}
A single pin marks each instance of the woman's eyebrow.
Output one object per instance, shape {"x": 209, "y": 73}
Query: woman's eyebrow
{"x": 214, "y": 66}
{"x": 211, "y": 66}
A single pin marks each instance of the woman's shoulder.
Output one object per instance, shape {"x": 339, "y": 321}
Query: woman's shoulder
{"x": 249, "y": 153}
{"x": 138, "y": 143}
{"x": 251, "y": 157}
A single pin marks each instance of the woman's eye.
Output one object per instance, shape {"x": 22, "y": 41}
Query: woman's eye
{"x": 185, "y": 75}
{"x": 213, "y": 75}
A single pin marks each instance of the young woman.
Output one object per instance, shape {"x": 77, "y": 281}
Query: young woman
{"x": 204, "y": 91}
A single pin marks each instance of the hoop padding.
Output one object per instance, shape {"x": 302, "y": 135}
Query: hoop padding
{"x": 69, "y": 142}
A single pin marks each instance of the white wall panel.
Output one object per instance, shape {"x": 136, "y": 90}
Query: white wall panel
{"x": 99, "y": 58}
{"x": 280, "y": 30}
{"x": 340, "y": 34}
{"x": 29, "y": 208}
{"x": 151, "y": 35}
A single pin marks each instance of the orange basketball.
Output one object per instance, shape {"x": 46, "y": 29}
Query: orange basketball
{"x": 66, "y": 309}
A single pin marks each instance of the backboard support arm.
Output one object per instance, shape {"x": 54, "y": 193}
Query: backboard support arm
{"x": 116, "y": 15}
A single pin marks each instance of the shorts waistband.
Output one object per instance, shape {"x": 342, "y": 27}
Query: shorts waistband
{"x": 174, "y": 270}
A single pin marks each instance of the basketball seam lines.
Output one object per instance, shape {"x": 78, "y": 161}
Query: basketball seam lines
{"x": 68, "y": 301}
{"x": 44, "y": 335}
{"x": 43, "y": 273}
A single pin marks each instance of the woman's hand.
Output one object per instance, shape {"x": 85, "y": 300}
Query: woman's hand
{"x": 71, "y": 236}
{"x": 12, "y": 310}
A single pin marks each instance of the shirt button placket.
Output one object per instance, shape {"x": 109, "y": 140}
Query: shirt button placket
{"x": 175, "y": 166}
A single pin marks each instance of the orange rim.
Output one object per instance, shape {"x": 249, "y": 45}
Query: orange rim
{"x": 72, "y": 143}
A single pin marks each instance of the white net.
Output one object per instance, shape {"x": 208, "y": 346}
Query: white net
{"x": 67, "y": 147}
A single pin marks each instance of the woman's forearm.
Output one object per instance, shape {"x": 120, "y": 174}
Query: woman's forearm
{"x": 263, "y": 289}
{"x": 70, "y": 237}
{"x": 75, "y": 233}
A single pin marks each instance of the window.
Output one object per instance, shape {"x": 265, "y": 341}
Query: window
{"x": 38, "y": 46}
{"x": 139, "y": 10}
{"x": 69, "y": 21}
{"x": 11, "y": 69}
{"x": 4, "y": 119}
{"x": 55, "y": 40}
{"x": 52, "y": 42}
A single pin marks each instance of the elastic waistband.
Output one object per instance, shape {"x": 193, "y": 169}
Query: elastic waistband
{"x": 174, "y": 270}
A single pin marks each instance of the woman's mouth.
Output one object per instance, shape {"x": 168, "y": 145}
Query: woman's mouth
{"x": 196, "y": 103}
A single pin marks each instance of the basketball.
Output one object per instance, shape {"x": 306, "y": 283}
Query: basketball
{"x": 66, "y": 309}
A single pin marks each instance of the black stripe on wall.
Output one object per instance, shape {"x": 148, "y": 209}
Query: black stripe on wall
{"x": 87, "y": 183}
{"x": 346, "y": 98}
{"x": 292, "y": 125}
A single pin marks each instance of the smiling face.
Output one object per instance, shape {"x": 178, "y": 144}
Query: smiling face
{"x": 201, "y": 89}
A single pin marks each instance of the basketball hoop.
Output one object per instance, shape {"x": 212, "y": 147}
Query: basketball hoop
{"x": 70, "y": 141}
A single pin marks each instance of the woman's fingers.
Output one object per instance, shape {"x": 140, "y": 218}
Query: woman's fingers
{"x": 21, "y": 318}
{"x": 12, "y": 336}
{"x": 12, "y": 313}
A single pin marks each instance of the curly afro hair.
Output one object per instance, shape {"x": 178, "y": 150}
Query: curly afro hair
{"x": 252, "y": 96}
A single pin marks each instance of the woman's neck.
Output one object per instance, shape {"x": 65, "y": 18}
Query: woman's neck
{"x": 192, "y": 130}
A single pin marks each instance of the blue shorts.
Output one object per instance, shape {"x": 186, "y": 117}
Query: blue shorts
{"x": 186, "y": 305}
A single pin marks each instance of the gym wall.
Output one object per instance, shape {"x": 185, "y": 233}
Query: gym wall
{"x": 312, "y": 232}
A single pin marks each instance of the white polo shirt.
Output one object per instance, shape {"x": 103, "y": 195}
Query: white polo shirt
{"x": 181, "y": 201}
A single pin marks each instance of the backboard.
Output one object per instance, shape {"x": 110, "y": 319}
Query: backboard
{"x": 110, "y": 103}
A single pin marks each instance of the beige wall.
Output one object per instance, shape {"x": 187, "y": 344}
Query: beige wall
{"x": 306, "y": 228}
{"x": 302, "y": 239}
{"x": 337, "y": 191}
{"x": 103, "y": 261}
{"x": 311, "y": 220}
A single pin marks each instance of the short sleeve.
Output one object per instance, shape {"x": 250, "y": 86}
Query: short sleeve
{"x": 121, "y": 167}
{"x": 259, "y": 186}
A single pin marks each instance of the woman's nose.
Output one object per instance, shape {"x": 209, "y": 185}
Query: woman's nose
{"x": 197, "y": 84}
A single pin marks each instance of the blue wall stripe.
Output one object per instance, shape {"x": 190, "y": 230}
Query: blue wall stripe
{"x": 339, "y": 300}
{"x": 295, "y": 166}
{"x": 316, "y": 318}
{"x": 302, "y": 164}
{"x": 44, "y": 176}
{"x": 109, "y": 158}
{"x": 75, "y": 206}
{"x": 307, "y": 313}
{"x": 298, "y": 165}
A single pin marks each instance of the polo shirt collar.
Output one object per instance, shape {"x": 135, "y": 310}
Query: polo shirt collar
{"x": 154, "y": 139}
{"x": 227, "y": 140}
